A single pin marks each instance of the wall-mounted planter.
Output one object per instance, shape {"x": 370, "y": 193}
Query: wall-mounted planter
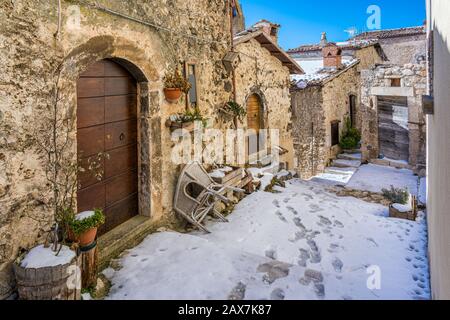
{"x": 172, "y": 95}
{"x": 189, "y": 126}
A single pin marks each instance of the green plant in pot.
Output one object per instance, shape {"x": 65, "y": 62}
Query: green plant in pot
{"x": 174, "y": 85}
{"x": 84, "y": 226}
{"x": 234, "y": 109}
{"x": 351, "y": 137}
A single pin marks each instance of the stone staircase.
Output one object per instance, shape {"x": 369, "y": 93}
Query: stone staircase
{"x": 342, "y": 169}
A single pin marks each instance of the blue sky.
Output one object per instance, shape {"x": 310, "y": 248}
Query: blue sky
{"x": 302, "y": 21}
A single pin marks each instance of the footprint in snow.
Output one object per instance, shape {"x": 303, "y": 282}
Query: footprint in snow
{"x": 286, "y": 200}
{"x": 297, "y": 236}
{"x": 338, "y": 224}
{"x": 276, "y": 203}
{"x": 337, "y": 264}
{"x": 277, "y": 294}
{"x": 295, "y": 212}
{"x": 280, "y": 216}
{"x": 372, "y": 241}
{"x": 271, "y": 254}
{"x": 314, "y": 208}
{"x": 238, "y": 292}
{"x": 298, "y": 223}
{"x": 325, "y": 221}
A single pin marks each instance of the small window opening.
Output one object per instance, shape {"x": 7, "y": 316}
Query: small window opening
{"x": 396, "y": 82}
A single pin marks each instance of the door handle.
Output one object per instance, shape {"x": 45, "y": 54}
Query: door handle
{"x": 122, "y": 136}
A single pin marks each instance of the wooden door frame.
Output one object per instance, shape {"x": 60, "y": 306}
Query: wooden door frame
{"x": 262, "y": 115}
{"x": 377, "y": 99}
{"x": 143, "y": 126}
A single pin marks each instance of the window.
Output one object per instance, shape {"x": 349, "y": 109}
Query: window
{"x": 396, "y": 82}
{"x": 334, "y": 133}
{"x": 191, "y": 75}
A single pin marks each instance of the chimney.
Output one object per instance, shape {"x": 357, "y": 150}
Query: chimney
{"x": 332, "y": 56}
{"x": 269, "y": 28}
{"x": 323, "y": 39}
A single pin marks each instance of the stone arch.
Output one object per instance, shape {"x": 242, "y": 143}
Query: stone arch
{"x": 264, "y": 110}
{"x": 143, "y": 68}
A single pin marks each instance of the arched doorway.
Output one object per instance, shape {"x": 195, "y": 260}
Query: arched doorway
{"x": 107, "y": 139}
{"x": 254, "y": 122}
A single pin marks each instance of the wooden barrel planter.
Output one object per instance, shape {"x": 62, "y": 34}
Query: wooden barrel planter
{"x": 404, "y": 214}
{"x": 49, "y": 283}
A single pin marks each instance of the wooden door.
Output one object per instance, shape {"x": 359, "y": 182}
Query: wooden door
{"x": 107, "y": 126}
{"x": 393, "y": 131}
{"x": 253, "y": 122}
{"x": 353, "y": 110}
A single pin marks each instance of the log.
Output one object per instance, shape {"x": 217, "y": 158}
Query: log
{"x": 89, "y": 265}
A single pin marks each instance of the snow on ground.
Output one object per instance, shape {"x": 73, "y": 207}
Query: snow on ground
{"x": 301, "y": 243}
{"x": 374, "y": 177}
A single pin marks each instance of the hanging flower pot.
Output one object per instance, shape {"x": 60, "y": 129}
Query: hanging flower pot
{"x": 172, "y": 94}
{"x": 174, "y": 85}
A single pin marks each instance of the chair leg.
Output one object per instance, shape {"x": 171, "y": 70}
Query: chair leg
{"x": 195, "y": 223}
{"x": 220, "y": 216}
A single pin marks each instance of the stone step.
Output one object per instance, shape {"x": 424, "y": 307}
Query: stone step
{"x": 350, "y": 156}
{"x": 342, "y": 163}
{"x": 351, "y": 151}
{"x": 341, "y": 170}
{"x": 335, "y": 175}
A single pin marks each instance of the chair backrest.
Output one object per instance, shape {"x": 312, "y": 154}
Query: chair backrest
{"x": 199, "y": 174}
{"x": 182, "y": 200}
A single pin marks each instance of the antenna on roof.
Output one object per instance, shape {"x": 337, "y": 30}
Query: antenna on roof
{"x": 352, "y": 31}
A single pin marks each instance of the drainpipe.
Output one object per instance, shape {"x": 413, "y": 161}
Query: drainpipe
{"x": 58, "y": 31}
{"x": 233, "y": 72}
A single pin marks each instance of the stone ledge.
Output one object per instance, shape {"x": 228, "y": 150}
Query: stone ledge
{"x": 125, "y": 236}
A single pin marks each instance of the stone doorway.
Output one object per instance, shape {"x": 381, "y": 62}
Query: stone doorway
{"x": 393, "y": 127}
{"x": 255, "y": 123}
{"x": 107, "y": 135}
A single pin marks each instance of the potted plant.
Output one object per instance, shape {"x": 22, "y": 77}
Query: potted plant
{"x": 174, "y": 85}
{"x": 233, "y": 109}
{"x": 186, "y": 120}
{"x": 351, "y": 137}
{"x": 84, "y": 226}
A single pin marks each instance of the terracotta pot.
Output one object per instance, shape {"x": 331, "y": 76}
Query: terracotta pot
{"x": 88, "y": 237}
{"x": 172, "y": 94}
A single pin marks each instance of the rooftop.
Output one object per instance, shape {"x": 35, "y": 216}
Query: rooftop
{"x": 268, "y": 43}
{"x": 391, "y": 33}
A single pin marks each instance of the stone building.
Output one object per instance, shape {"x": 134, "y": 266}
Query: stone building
{"x": 401, "y": 46}
{"x": 325, "y": 97}
{"x": 262, "y": 85}
{"x": 392, "y": 77}
{"x": 102, "y": 54}
{"x": 394, "y": 130}
{"x": 101, "y": 66}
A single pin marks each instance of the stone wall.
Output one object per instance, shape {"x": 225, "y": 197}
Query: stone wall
{"x": 336, "y": 103}
{"x": 368, "y": 57}
{"x": 377, "y": 82}
{"x": 404, "y": 50}
{"x": 309, "y": 132}
{"x": 314, "y": 109}
{"x": 261, "y": 73}
{"x": 29, "y": 54}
